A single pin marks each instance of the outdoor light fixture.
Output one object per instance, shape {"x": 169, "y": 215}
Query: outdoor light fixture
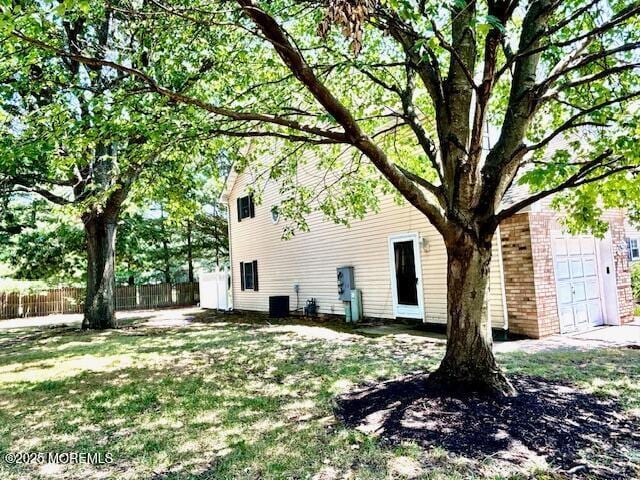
{"x": 424, "y": 241}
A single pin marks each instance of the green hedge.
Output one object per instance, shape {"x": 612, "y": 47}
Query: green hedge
{"x": 635, "y": 280}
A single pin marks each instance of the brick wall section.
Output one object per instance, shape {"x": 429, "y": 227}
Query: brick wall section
{"x": 519, "y": 281}
{"x": 621, "y": 260}
{"x": 529, "y": 273}
{"x": 540, "y": 225}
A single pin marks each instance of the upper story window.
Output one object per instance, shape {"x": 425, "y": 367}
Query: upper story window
{"x": 246, "y": 207}
{"x": 634, "y": 249}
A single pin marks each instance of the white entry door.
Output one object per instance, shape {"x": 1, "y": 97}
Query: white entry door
{"x": 406, "y": 275}
{"x": 577, "y": 282}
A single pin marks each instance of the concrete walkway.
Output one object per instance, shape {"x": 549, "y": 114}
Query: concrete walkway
{"x": 601, "y": 337}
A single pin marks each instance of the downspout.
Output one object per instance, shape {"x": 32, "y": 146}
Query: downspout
{"x": 505, "y": 311}
{"x": 229, "y": 250}
{"x": 503, "y": 291}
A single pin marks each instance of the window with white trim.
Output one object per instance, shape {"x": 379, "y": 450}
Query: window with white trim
{"x": 249, "y": 275}
{"x": 634, "y": 249}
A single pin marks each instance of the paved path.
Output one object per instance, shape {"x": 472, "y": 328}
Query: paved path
{"x": 601, "y": 337}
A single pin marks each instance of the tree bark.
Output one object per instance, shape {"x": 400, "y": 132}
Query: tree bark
{"x": 469, "y": 364}
{"x": 100, "y": 302}
{"x": 165, "y": 248}
{"x": 167, "y": 261}
{"x": 190, "y": 253}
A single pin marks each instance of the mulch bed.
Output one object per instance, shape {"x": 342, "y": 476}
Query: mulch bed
{"x": 577, "y": 433}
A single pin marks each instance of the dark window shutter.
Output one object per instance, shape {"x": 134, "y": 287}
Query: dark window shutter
{"x": 255, "y": 275}
{"x": 629, "y": 254}
{"x": 239, "y": 205}
{"x": 241, "y": 276}
{"x": 252, "y": 208}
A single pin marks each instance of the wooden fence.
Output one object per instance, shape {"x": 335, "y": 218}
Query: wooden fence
{"x": 71, "y": 300}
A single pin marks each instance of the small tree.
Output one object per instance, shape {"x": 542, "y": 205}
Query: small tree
{"x": 528, "y": 71}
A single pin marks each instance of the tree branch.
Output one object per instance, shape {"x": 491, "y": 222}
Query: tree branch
{"x": 412, "y": 119}
{"x": 501, "y": 164}
{"x": 436, "y": 191}
{"x": 428, "y": 70}
{"x": 571, "y": 122}
{"x": 182, "y": 98}
{"x": 614, "y": 21}
{"x": 46, "y": 194}
{"x": 553, "y": 93}
{"x": 572, "y": 182}
{"x": 294, "y": 60}
{"x": 455, "y": 55}
{"x": 586, "y": 60}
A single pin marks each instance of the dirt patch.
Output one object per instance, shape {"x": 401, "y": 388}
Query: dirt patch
{"x": 573, "y": 431}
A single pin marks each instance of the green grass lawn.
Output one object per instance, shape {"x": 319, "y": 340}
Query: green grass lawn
{"x": 238, "y": 399}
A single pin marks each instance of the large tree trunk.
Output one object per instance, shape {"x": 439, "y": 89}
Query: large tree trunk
{"x": 469, "y": 363}
{"x": 100, "y": 302}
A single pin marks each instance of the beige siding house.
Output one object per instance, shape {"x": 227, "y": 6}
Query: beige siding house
{"x": 543, "y": 281}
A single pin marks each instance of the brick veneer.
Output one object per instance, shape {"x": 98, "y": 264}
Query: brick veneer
{"x": 540, "y": 224}
{"x": 517, "y": 261}
{"x": 621, "y": 261}
{"x": 529, "y": 275}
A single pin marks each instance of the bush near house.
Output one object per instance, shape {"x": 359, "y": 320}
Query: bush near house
{"x": 635, "y": 285}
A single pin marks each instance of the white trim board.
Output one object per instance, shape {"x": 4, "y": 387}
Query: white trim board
{"x": 406, "y": 311}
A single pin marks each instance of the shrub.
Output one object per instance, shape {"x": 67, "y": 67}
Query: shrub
{"x": 635, "y": 280}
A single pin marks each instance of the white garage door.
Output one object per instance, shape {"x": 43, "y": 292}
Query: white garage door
{"x": 577, "y": 283}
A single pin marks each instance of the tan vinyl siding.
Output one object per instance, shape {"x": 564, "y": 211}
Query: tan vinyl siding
{"x": 310, "y": 258}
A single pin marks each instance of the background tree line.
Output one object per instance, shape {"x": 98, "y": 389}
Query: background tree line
{"x": 155, "y": 244}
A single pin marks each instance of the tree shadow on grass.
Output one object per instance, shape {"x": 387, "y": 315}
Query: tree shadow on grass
{"x": 16, "y": 338}
{"x": 552, "y": 420}
{"x": 31, "y": 335}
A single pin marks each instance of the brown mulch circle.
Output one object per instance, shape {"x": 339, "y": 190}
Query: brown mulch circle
{"x": 576, "y": 432}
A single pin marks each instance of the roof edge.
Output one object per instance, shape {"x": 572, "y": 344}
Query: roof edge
{"x": 229, "y": 183}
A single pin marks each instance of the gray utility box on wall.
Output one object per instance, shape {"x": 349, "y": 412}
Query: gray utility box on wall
{"x": 346, "y": 283}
